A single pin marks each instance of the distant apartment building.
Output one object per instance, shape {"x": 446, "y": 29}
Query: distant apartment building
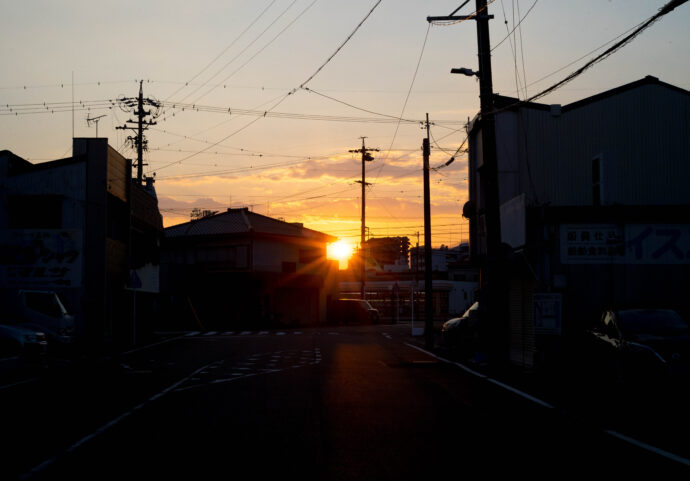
{"x": 594, "y": 205}
{"x": 82, "y": 227}
{"x": 242, "y": 269}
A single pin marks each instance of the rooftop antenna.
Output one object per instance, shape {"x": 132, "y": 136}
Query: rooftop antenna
{"x": 94, "y": 120}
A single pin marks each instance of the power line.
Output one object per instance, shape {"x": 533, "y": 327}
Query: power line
{"x": 670, "y": 6}
{"x": 224, "y": 50}
{"x": 303, "y": 84}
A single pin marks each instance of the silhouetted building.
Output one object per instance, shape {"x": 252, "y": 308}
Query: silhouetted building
{"x": 594, "y": 205}
{"x": 387, "y": 253}
{"x": 81, "y": 227}
{"x": 242, "y": 269}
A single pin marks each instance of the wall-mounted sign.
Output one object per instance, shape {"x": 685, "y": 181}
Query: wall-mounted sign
{"x": 41, "y": 258}
{"x": 625, "y": 244}
{"x": 547, "y": 313}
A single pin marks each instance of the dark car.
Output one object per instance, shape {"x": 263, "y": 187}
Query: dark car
{"x": 352, "y": 311}
{"x": 647, "y": 345}
{"x": 460, "y": 333}
{"x": 18, "y": 340}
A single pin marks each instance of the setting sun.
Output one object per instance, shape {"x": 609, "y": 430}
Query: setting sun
{"x": 341, "y": 251}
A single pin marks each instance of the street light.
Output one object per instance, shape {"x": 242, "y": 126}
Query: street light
{"x": 465, "y": 71}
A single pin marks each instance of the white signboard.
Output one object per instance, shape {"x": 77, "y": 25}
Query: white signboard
{"x": 547, "y": 313}
{"x": 626, "y": 244}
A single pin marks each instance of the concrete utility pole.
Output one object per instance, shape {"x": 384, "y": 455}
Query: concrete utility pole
{"x": 492, "y": 281}
{"x": 366, "y": 157}
{"x": 128, "y": 105}
{"x": 428, "y": 283}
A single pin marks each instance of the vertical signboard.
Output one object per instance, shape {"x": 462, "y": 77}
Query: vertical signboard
{"x": 547, "y": 313}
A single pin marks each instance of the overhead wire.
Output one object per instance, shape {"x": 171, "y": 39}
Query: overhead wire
{"x": 224, "y": 50}
{"x": 287, "y": 95}
{"x": 407, "y": 97}
{"x": 262, "y": 48}
{"x": 610, "y": 51}
{"x": 203, "y": 84}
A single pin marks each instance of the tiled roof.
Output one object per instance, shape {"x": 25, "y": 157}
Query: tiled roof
{"x": 242, "y": 221}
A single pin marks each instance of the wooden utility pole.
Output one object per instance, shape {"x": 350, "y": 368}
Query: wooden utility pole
{"x": 366, "y": 157}
{"x": 428, "y": 283}
{"x": 136, "y": 105}
{"x": 492, "y": 283}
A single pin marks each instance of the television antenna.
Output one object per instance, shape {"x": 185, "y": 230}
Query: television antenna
{"x": 94, "y": 120}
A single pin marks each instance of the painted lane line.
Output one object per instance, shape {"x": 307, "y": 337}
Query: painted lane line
{"x": 298, "y": 333}
{"x": 195, "y": 333}
{"x": 649, "y": 447}
{"x": 280, "y": 333}
{"x": 622, "y": 437}
{"x": 263, "y": 333}
{"x": 108, "y": 425}
{"x": 210, "y": 333}
{"x": 461, "y": 366}
{"x": 25, "y": 381}
{"x": 521, "y": 393}
{"x": 245, "y": 333}
{"x": 229, "y": 333}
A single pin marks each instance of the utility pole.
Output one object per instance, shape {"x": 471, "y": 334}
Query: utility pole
{"x": 492, "y": 281}
{"x": 366, "y": 157}
{"x": 428, "y": 284}
{"x": 136, "y": 106}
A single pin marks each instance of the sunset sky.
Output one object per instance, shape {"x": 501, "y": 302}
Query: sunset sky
{"x": 229, "y": 62}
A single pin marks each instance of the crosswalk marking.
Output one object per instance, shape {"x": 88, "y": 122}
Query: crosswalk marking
{"x": 265, "y": 333}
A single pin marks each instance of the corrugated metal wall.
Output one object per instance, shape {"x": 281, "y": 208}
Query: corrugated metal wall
{"x": 642, "y": 136}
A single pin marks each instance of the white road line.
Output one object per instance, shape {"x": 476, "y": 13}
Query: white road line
{"x": 461, "y": 366}
{"x": 649, "y": 447}
{"x": 498, "y": 383}
{"x": 211, "y": 333}
{"x": 109, "y": 424}
{"x": 521, "y": 393}
{"x": 298, "y": 333}
{"x": 25, "y": 381}
{"x": 195, "y": 333}
{"x": 245, "y": 333}
{"x": 263, "y": 333}
{"x": 280, "y": 333}
{"x": 622, "y": 437}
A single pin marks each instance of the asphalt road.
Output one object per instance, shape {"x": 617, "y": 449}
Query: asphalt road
{"x": 347, "y": 403}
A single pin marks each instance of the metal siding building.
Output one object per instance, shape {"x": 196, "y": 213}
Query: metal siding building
{"x": 639, "y": 131}
{"x": 599, "y": 192}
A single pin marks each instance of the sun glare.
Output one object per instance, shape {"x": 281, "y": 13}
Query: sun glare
{"x": 341, "y": 251}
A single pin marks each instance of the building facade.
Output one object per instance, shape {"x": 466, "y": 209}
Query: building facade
{"x": 594, "y": 209}
{"x": 81, "y": 227}
{"x": 242, "y": 269}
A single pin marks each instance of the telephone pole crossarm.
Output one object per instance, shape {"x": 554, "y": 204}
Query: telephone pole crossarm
{"x": 453, "y": 18}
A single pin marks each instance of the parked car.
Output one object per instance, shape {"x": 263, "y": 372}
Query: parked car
{"x": 461, "y": 333}
{"x": 640, "y": 345}
{"x": 353, "y": 311}
{"x": 41, "y": 310}
{"x": 17, "y": 340}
